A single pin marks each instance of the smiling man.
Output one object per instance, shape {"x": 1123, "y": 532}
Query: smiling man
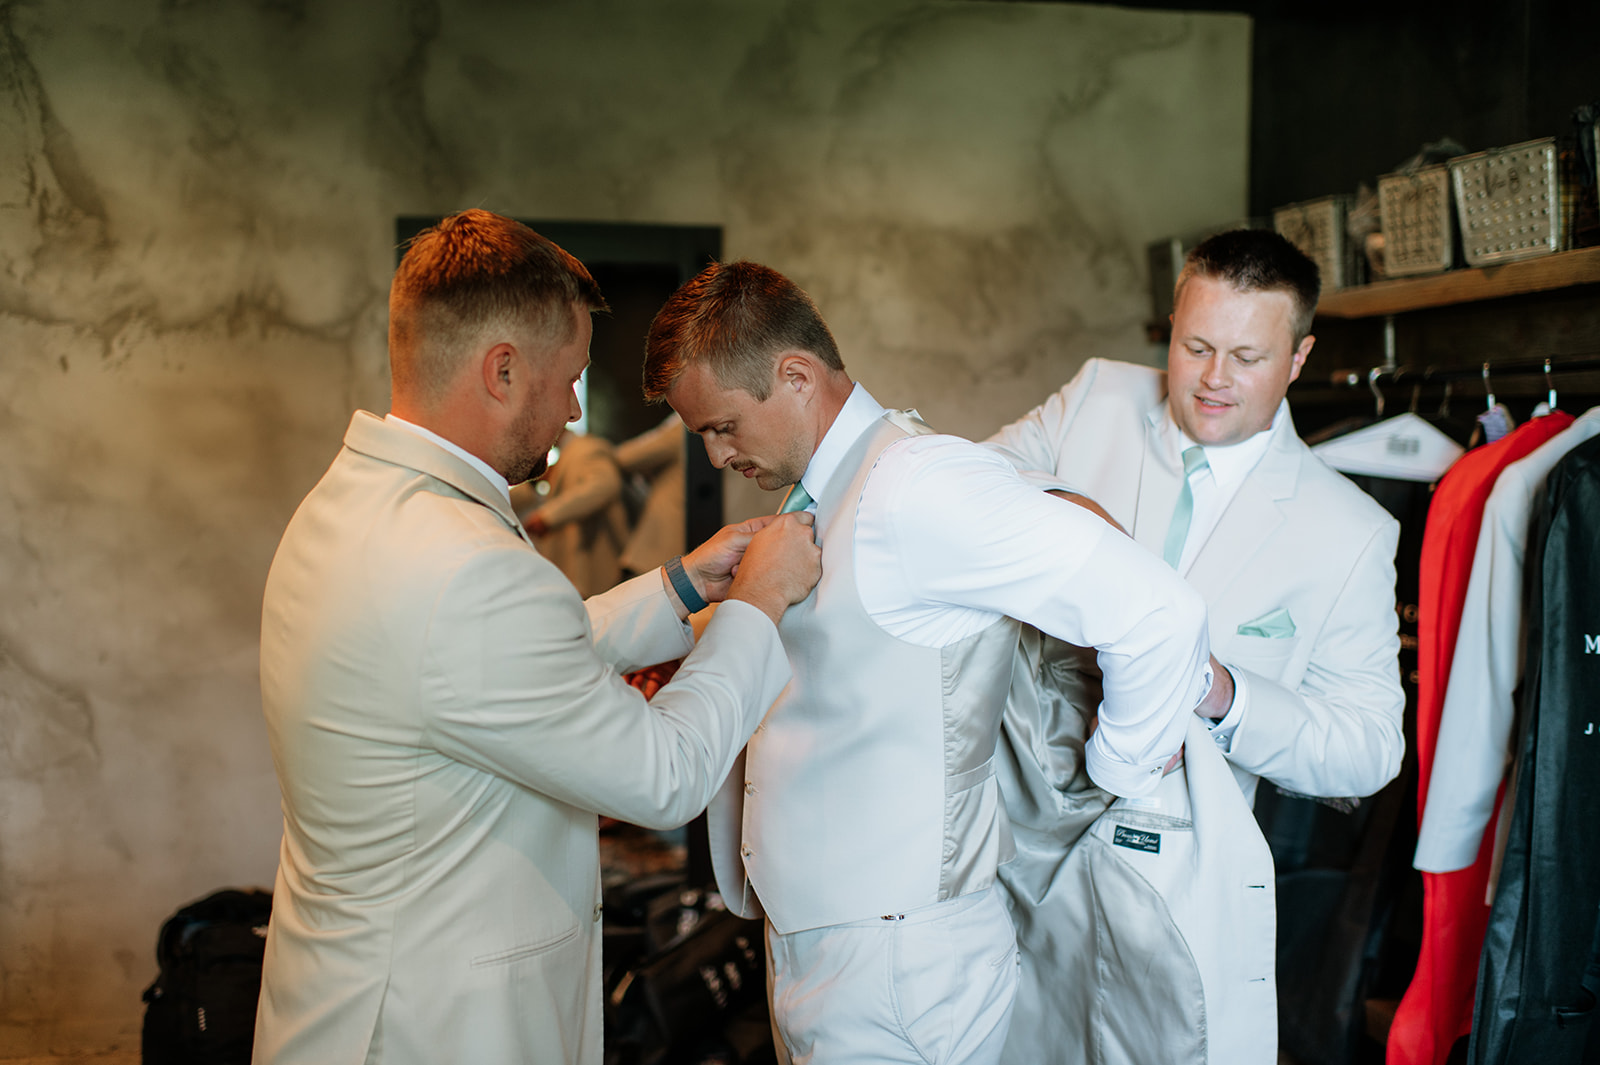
{"x": 1202, "y": 465}
{"x": 865, "y": 818}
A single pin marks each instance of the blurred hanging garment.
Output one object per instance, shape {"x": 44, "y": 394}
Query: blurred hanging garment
{"x": 1437, "y": 1007}
{"x": 656, "y": 457}
{"x": 1540, "y": 970}
{"x": 1475, "y": 724}
{"x": 585, "y": 522}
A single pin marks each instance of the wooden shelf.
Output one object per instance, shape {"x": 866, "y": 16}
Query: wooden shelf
{"x": 1561, "y": 270}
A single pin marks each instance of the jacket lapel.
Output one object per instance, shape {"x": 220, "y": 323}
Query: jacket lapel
{"x": 1158, "y": 486}
{"x": 374, "y": 437}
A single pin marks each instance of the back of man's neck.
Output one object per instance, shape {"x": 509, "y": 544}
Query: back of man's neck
{"x": 833, "y": 395}
{"x": 462, "y": 428}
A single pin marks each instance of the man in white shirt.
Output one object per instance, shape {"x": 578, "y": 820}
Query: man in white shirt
{"x": 1202, "y": 465}
{"x": 865, "y": 820}
{"x": 446, "y": 715}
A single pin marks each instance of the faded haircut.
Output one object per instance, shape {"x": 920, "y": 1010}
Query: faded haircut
{"x": 471, "y": 271}
{"x": 736, "y": 318}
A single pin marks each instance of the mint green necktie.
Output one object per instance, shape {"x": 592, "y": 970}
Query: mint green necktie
{"x": 797, "y": 499}
{"x": 1194, "y": 459}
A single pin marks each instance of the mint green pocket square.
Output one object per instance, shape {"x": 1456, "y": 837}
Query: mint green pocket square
{"x": 1277, "y": 625}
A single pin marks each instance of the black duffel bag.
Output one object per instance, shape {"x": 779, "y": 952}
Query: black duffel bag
{"x": 201, "y": 1010}
{"x": 680, "y": 996}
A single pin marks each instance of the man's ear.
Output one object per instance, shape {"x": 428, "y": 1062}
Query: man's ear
{"x": 500, "y": 366}
{"x": 1299, "y": 359}
{"x": 797, "y": 372}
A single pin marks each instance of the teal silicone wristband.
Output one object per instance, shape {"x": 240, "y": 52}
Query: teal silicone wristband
{"x": 684, "y": 586}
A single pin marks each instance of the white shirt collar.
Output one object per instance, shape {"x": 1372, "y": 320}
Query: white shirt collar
{"x": 459, "y": 452}
{"x": 1230, "y": 464}
{"x": 860, "y": 410}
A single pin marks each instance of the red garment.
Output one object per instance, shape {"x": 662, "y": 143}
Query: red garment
{"x": 1437, "y": 1008}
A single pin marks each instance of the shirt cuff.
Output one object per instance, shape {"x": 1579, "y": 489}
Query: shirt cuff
{"x": 1132, "y": 780}
{"x": 1222, "y": 731}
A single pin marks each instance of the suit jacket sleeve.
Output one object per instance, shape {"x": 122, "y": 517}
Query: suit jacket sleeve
{"x": 1339, "y": 732}
{"x": 516, "y": 686}
{"x": 635, "y": 624}
{"x": 1032, "y": 442}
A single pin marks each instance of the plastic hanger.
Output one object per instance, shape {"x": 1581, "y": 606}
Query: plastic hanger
{"x": 1406, "y": 447}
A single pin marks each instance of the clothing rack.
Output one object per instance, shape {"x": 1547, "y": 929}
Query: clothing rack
{"x": 1508, "y": 376}
{"x": 1487, "y": 370}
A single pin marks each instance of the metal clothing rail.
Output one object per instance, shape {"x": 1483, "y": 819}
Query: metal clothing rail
{"x": 1487, "y": 371}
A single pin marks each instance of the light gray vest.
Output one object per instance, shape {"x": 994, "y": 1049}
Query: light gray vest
{"x": 870, "y": 787}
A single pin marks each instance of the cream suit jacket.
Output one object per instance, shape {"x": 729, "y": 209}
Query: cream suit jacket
{"x": 446, "y": 718}
{"x": 1324, "y": 704}
{"x": 1146, "y": 927}
{"x": 1147, "y": 930}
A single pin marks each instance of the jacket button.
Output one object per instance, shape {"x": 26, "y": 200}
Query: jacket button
{"x": 746, "y": 851}
{"x": 749, "y": 788}
{"x": 597, "y": 909}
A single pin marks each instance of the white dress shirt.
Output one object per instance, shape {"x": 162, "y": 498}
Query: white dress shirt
{"x": 1474, "y": 742}
{"x": 459, "y": 452}
{"x": 949, "y": 538}
{"x": 1214, "y": 485}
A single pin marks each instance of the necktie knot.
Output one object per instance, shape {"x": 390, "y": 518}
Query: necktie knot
{"x": 1194, "y": 458}
{"x": 797, "y": 499}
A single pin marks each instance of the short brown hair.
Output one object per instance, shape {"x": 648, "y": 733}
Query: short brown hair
{"x": 1258, "y": 260}
{"x": 736, "y": 318}
{"x": 472, "y": 270}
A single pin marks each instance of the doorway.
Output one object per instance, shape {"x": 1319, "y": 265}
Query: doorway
{"x": 637, "y": 266}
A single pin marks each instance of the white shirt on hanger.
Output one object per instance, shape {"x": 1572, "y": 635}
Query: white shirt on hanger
{"x": 1474, "y": 742}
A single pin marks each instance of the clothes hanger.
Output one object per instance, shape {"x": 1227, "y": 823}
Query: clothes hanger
{"x": 1405, "y": 447}
{"x": 1496, "y": 420}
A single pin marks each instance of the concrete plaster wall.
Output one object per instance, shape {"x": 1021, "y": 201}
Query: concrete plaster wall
{"x": 197, "y": 204}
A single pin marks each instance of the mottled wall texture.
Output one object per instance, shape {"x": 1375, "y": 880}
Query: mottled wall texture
{"x": 197, "y": 205}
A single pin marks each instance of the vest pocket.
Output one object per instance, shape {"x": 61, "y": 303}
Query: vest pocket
{"x": 975, "y": 831}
